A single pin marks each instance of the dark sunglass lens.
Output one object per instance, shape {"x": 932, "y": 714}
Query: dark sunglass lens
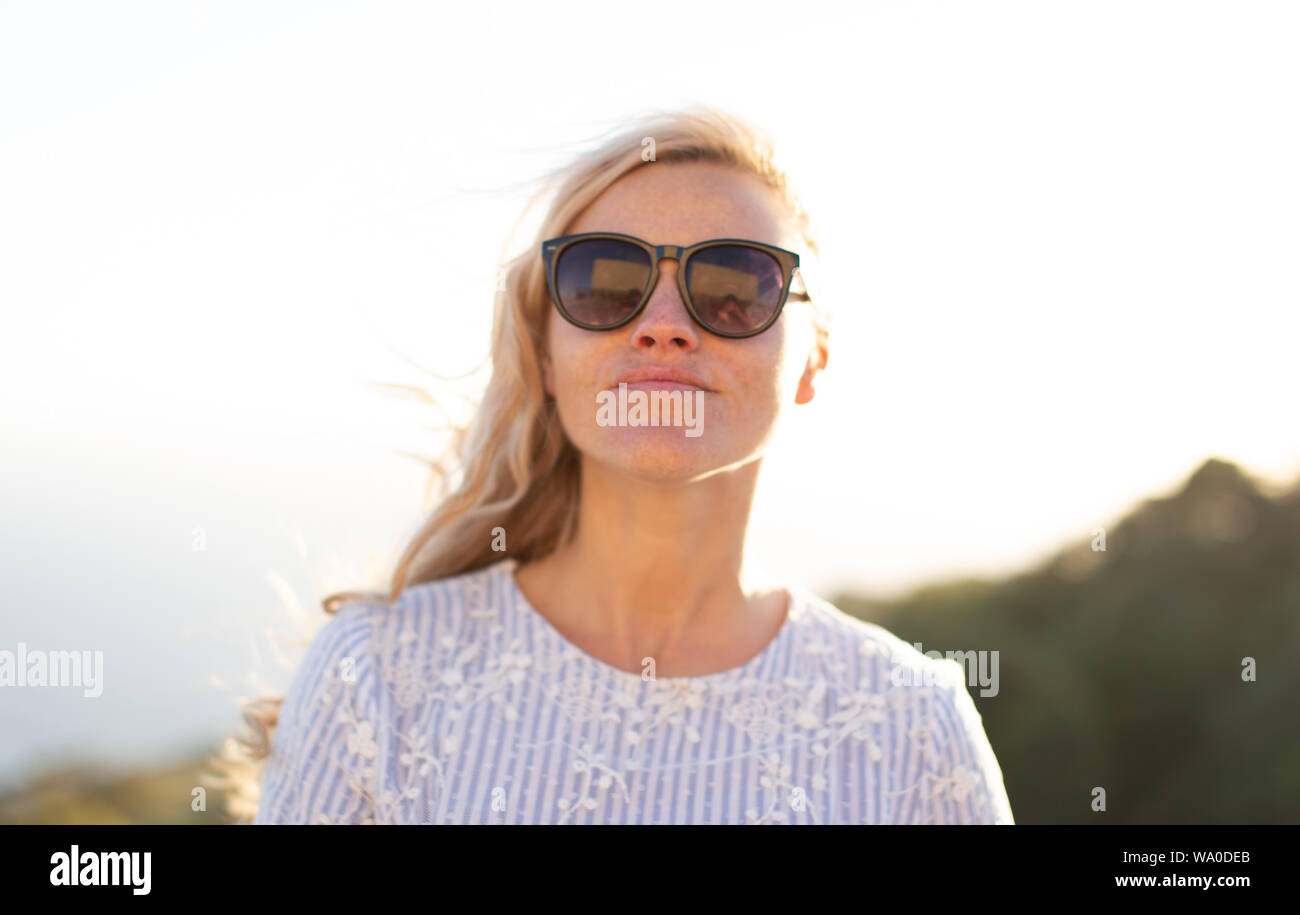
{"x": 735, "y": 289}
{"x": 600, "y": 281}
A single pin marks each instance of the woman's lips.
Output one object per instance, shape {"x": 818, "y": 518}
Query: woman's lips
{"x": 661, "y": 386}
{"x": 661, "y": 378}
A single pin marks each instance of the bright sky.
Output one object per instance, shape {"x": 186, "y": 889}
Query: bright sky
{"x": 1059, "y": 240}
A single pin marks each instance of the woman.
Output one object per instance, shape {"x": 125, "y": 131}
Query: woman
{"x": 576, "y": 636}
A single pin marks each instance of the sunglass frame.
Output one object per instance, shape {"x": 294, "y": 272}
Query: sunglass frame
{"x": 788, "y": 261}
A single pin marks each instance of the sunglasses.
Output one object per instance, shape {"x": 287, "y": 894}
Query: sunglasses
{"x": 731, "y": 287}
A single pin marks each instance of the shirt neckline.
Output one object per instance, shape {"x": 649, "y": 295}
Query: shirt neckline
{"x": 506, "y": 569}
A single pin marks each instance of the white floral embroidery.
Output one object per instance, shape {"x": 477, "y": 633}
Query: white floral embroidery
{"x": 775, "y": 780}
{"x": 758, "y": 717}
{"x": 579, "y": 698}
{"x": 594, "y": 768}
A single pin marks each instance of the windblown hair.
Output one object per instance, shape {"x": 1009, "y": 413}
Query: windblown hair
{"x": 512, "y": 465}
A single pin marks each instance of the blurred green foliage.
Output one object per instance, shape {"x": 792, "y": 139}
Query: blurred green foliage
{"x": 1122, "y": 668}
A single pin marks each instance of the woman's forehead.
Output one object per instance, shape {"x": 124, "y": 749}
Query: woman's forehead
{"x": 685, "y": 203}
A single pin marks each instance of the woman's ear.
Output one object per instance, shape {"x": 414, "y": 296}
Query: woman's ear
{"x": 548, "y": 381}
{"x": 818, "y": 355}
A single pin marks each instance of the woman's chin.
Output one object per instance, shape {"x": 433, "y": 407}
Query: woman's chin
{"x": 659, "y": 454}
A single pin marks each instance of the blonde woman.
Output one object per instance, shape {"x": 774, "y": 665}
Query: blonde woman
{"x": 575, "y": 635}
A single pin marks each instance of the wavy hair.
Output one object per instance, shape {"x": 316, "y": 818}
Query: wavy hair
{"x": 512, "y": 466}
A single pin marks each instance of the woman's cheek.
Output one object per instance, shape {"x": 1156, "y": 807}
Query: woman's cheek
{"x": 574, "y": 412}
{"x": 568, "y": 380}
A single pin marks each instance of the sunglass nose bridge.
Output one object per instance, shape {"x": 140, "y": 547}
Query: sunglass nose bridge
{"x": 670, "y": 251}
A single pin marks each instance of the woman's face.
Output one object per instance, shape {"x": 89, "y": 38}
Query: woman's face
{"x": 747, "y": 382}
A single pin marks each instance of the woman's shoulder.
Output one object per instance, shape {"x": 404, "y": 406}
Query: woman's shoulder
{"x": 344, "y": 635}
{"x": 438, "y": 609}
{"x": 869, "y": 675}
{"x": 827, "y": 629}
{"x": 367, "y": 637}
{"x": 464, "y": 589}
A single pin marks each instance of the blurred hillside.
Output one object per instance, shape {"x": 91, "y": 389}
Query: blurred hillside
{"x": 1123, "y": 669}
{"x": 78, "y": 795}
{"x": 1118, "y": 668}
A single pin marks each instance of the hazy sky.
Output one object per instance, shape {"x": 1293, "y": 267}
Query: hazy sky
{"x": 1059, "y": 242}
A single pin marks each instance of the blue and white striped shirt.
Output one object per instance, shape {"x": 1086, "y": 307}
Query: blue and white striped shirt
{"x": 460, "y": 703}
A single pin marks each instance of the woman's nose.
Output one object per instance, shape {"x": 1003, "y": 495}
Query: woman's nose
{"x": 665, "y": 318}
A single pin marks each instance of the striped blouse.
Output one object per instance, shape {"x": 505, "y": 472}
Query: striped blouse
{"x": 460, "y": 703}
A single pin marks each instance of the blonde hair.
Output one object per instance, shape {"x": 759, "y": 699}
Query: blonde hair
{"x": 512, "y": 466}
